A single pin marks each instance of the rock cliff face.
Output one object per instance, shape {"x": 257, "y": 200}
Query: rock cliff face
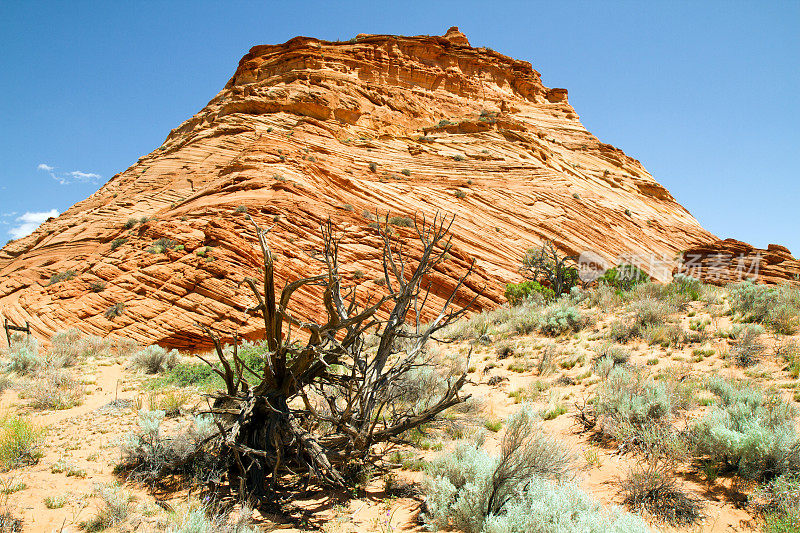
{"x": 731, "y": 261}
{"x": 311, "y": 129}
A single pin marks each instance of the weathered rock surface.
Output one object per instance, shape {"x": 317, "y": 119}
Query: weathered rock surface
{"x": 312, "y": 129}
{"x": 731, "y": 261}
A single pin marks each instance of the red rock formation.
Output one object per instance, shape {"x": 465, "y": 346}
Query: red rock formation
{"x": 730, "y": 261}
{"x": 311, "y": 129}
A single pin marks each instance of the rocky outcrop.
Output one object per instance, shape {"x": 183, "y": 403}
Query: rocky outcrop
{"x": 310, "y": 130}
{"x": 731, "y": 261}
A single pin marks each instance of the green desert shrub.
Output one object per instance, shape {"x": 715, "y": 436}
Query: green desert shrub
{"x": 778, "y": 501}
{"x": 23, "y": 354}
{"x": 116, "y": 243}
{"x": 516, "y": 293}
{"x": 154, "y": 359}
{"x": 62, "y": 276}
{"x": 191, "y": 375}
{"x": 623, "y": 277}
{"x": 20, "y": 442}
{"x": 775, "y": 307}
{"x": 643, "y": 314}
{"x": 561, "y": 317}
{"x": 149, "y": 456}
{"x": 748, "y": 432}
{"x": 522, "y": 489}
{"x": 751, "y": 302}
{"x": 603, "y": 297}
{"x": 403, "y": 222}
{"x": 627, "y": 402}
{"x": 687, "y": 286}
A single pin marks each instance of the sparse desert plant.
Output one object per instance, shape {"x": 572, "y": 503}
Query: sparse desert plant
{"x": 403, "y": 222}
{"x": 617, "y": 354}
{"x": 603, "y": 297}
{"x": 656, "y": 492}
{"x": 116, "y": 243}
{"x": 784, "y": 319}
{"x": 170, "y": 401}
{"x": 115, "y": 507}
{"x": 240, "y": 209}
{"x": 623, "y": 277}
{"x": 627, "y": 404}
{"x": 468, "y": 486}
{"x": 97, "y": 286}
{"x": 649, "y": 312}
{"x": 125, "y": 347}
{"x": 58, "y": 277}
{"x": 747, "y": 349}
{"x": 115, "y": 310}
{"x": 53, "y": 389}
{"x": 161, "y": 246}
{"x": 154, "y": 359}
{"x": 521, "y": 490}
{"x": 20, "y": 442}
{"x": 56, "y": 502}
{"x": 131, "y": 223}
{"x": 199, "y": 519}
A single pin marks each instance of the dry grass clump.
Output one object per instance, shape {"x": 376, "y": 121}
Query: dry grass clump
{"x": 115, "y": 507}
{"x": 70, "y": 346}
{"x": 657, "y": 493}
{"x": 208, "y": 519}
{"x": 54, "y": 389}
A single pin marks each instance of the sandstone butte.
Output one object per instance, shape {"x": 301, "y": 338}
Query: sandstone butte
{"x": 310, "y": 130}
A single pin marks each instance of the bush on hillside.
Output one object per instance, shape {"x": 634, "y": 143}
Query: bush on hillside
{"x": 154, "y": 359}
{"x": 516, "y": 293}
{"x": 521, "y": 490}
{"x": 560, "y": 318}
{"x": 749, "y": 433}
{"x": 623, "y": 277}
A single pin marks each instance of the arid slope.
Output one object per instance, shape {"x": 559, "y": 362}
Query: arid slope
{"x": 312, "y": 129}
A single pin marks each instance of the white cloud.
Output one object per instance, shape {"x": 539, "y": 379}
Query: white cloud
{"x": 65, "y": 178}
{"x": 28, "y": 222}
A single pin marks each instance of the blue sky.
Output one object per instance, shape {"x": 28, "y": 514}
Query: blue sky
{"x": 704, "y": 94}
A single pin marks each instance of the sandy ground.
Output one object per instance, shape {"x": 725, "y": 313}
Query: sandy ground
{"x": 82, "y": 443}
